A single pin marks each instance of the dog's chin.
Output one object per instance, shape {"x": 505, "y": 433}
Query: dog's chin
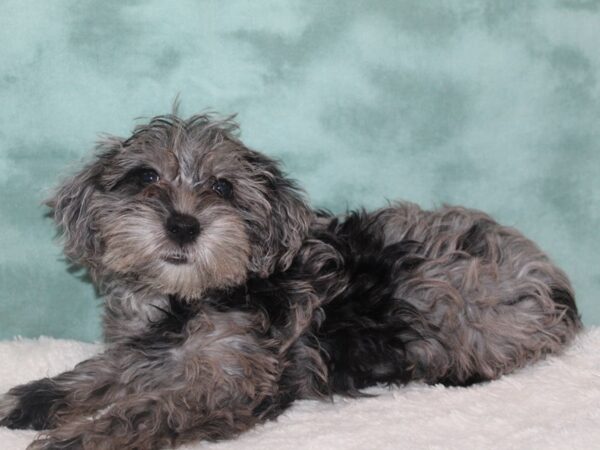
{"x": 181, "y": 275}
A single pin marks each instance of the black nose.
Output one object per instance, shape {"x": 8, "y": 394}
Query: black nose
{"x": 182, "y": 228}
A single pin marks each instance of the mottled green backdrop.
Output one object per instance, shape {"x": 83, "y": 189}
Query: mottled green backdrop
{"x": 491, "y": 104}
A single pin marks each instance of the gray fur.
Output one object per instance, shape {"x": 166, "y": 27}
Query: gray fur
{"x": 498, "y": 303}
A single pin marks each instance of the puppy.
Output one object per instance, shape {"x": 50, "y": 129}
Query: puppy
{"x": 227, "y": 297}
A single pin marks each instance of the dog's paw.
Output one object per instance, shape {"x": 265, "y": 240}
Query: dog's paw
{"x": 29, "y": 406}
{"x": 14, "y": 415}
{"x": 8, "y": 406}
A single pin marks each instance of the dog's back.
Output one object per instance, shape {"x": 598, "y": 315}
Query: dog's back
{"x": 446, "y": 296}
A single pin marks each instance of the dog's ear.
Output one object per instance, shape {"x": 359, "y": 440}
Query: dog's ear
{"x": 71, "y": 208}
{"x": 277, "y": 239}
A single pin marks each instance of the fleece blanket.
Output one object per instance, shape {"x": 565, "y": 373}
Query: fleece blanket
{"x": 552, "y": 404}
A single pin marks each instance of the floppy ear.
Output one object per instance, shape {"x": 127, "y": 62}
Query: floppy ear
{"x": 290, "y": 222}
{"x": 71, "y": 206}
{"x": 279, "y": 237}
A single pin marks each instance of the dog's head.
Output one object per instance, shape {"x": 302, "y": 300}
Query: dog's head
{"x": 181, "y": 206}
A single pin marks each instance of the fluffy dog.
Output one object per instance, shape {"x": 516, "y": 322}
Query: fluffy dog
{"x": 227, "y": 297}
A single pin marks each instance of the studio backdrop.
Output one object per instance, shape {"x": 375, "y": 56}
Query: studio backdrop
{"x": 489, "y": 104}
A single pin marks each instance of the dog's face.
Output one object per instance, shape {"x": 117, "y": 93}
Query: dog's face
{"x": 182, "y": 207}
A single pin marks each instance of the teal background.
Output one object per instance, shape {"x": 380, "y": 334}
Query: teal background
{"x": 489, "y": 104}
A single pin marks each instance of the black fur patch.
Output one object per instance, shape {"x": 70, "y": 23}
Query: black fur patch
{"x": 167, "y": 332}
{"x": 36, "y": 399}
{"x": 473, "y": 240}
{"x": 565, "y": 298}
{"x": 360, "y": 331}
{"x": 455, "y": 381}
{"x": 366, "y": 326}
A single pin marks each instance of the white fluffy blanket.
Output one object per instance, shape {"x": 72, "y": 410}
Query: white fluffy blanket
{"x": 553, "y": 404}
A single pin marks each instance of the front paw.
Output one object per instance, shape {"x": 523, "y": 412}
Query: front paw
{"x": 16, "y": 414}
{"x": 29, "y": 405}
{"x": 8, "y": 407}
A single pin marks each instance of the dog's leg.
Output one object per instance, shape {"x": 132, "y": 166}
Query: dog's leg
{"x": 47, "y": 402}
{"x": 151, "y": 421}
{"x": 168, "y": 418}
{"x": 213, "y": 382}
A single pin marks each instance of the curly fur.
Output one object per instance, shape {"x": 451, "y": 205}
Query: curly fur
{"x": 223, "y": 308}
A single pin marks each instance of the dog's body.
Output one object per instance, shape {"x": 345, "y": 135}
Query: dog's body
{"x": 227, "y": 297}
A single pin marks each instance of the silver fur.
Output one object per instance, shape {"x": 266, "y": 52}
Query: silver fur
{"x": 266, "y": 300}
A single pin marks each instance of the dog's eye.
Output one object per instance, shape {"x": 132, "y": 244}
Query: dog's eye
{"x": 223, "y": 187}
{"x": 138, "y": 178}
{"x": 142, "y": 176}
{"x": 148, "y": 176}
